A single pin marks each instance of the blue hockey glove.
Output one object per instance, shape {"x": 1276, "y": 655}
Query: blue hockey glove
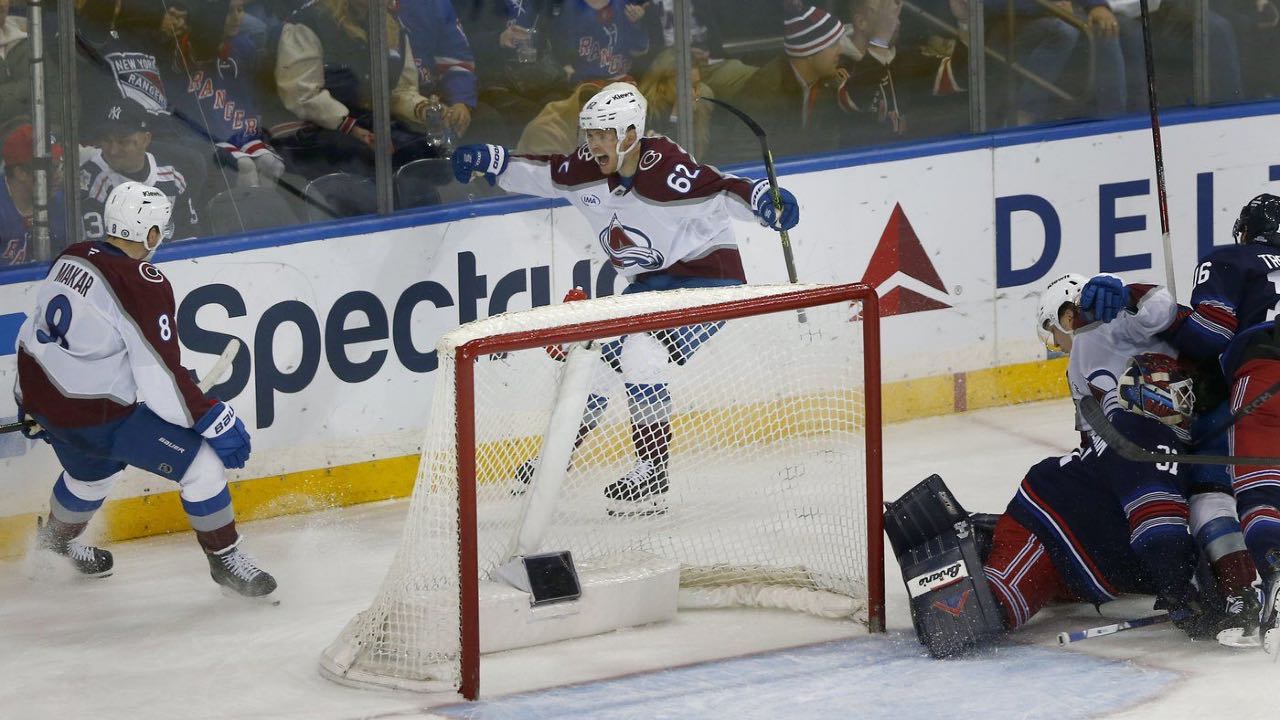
{"x": 768, "y": 212}
{"x": 225, "y": 433}
{"x": 488, "y": 159}
{"x": 1103, "y": 297}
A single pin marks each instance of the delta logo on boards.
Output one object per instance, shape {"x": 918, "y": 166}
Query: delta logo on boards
{"x": 900, "y": 252}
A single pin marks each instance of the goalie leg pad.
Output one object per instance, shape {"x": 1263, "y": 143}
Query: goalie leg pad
{"x": 921, "y": 514}
{"x": 952, "y": 607}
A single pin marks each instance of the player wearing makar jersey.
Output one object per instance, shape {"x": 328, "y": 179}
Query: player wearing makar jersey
{"x": 99, "y": 371}
{"x": 1232, "y": 318}
{"x": 663, "y": 220}
{"x": 1089, "y": 525}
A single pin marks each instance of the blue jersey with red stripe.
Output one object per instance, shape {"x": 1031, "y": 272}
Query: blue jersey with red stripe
{"x": 1236, "y": 294}
{"x": 446, "y": 65}
{"x": 1112, "y": 526}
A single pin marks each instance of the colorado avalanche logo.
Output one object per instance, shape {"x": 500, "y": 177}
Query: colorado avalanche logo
{"x": 150, "y": 273}
{"x": 629, "y": 247}
{"x": 649, "y": 159}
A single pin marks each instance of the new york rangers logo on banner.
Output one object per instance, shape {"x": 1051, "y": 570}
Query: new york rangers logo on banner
{"x": 139, "y": 79}
{"x": 629, "y": 247}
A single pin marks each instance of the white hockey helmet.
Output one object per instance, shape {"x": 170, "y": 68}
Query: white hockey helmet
{"x": 617, "y": 107}
{"x": 133, "y": 208}
{"x": 1065, "y": 289}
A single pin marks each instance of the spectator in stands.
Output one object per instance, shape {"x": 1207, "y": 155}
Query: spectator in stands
{"x": 555, "y": 129}
{"x": 1042, "y": 45}
{"x": 722, "y": 75}
{"x": 1255, "y": 23}
{"x": 659, "y": 88}
{"x": 214, "y": 72}
{"x": 322, "y": 74}
{"x": 794, "y": 95}
{"x": 931, "y": 69}
{"x": 17, "y": 199}
{"x": 868, "y": 93}
{"x": 446, "y": 67}
{"x": 518, "y": 75}
{"x": 1172, "y": 30}
{"x": 15, "y": 70}
{"x": 121, "y": 46}
{"x": 600, "y": 39}
{"x": 122, "y": 132}
{"x": 174, "y": 23}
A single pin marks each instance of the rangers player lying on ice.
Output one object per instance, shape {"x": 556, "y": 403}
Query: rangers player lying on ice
{"x": 663, "y": 220}
{"x": 99, "y": 371}
{"x": 1089, "y": 525}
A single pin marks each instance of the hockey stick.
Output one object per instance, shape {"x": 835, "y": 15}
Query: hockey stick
{"x": 1092, "y": 412}
{"x": 772, "y": 173}
{"x": 1065, "y": 638}
{"x": 1235, "y": 416}
{"x": 220, "y": 366}
{"x": 210, "y": 379}
{"x": 1158, "y": 148}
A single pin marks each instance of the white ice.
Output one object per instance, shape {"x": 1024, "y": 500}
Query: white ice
{"x": 159, "y": 640}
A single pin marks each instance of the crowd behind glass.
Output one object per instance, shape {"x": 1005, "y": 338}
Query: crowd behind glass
{"x": 256, "y": 114}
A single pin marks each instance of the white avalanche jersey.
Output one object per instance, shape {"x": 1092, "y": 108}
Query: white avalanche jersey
{"x": 674, "y": 218}
{"x": 102, "y": 338}
{"x": 1101, "y": 351}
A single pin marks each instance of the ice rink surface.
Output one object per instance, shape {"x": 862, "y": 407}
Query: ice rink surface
{"x": 159, "y": 640}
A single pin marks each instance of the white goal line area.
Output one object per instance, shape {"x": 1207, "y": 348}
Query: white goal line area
{"x": 756, "y": 436}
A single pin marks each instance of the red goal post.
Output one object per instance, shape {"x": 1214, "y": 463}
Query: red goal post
{"x": 369, "y": 634}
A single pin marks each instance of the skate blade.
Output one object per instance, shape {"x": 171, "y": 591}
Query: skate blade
{"x": 269, "y": 599}
{"x": 1236, "y": 638}
{"x": 629, "y": 509}
{"x": 47, "y": 566}
{"x": 1271, "y": 644}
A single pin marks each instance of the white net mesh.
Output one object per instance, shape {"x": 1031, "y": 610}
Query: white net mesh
{"x": 765, "y": 458}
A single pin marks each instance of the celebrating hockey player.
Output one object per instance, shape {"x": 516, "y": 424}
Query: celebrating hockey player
{"x": 99, "y": 372}
{"x": 1089, "y": 525}
{"x": 663, "y": 220}
{"x": 1231, "y": 318}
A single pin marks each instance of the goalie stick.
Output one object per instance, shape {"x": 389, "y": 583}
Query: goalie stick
{"x": 1129, "y": 450}
{"x": 210, "y": 379}
{"x": 1065, "y": 638}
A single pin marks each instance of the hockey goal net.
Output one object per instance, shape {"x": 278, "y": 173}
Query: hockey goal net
{"x": 774, "y": 473}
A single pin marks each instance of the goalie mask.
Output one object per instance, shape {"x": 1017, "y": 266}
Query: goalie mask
{"x": 1259, "y": 221}
{"x": 1062, "y": 291}
{"x": 1155, "y": 386}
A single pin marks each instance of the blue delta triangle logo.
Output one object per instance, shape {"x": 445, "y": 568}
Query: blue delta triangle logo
{"x": 900, "y": 252}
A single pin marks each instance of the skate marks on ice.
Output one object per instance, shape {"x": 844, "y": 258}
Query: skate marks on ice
{"x": 889, "y": 677}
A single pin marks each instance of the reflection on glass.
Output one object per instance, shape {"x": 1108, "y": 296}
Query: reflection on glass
{"x": 254, "y": 115}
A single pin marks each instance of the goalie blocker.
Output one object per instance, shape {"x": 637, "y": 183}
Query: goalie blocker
{"x": 938, "y": 548}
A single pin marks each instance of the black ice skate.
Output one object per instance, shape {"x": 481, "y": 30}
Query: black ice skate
{"x": 524, "y": 476}
{"x": 86, "y": 559}
{"x": 639, "y": 493}
{"x": 235, "y": 569}
{"x": 1240, "y": 620}
{"x": 1268, "y": 631}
